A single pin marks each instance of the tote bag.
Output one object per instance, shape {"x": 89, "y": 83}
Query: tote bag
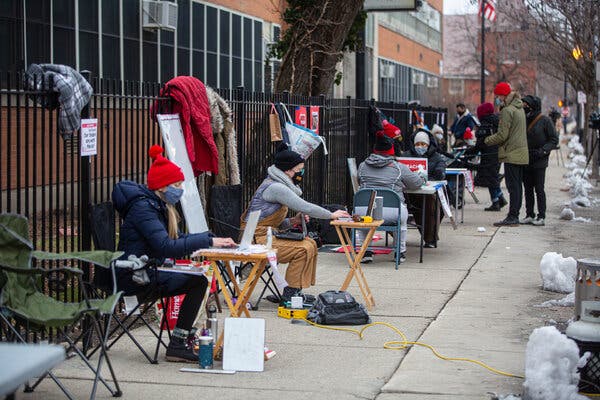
{"x": 302, "y": 140}
{"x": 275, "y": 125}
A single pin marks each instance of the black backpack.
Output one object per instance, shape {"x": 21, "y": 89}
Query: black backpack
{"x": 335, "y": 307}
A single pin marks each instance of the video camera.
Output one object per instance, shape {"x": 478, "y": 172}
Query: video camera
{"x": 594, "y": 121}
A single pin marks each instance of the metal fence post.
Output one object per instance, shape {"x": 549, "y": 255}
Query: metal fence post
{"x": 85, "y": 236}
{"x": 323, "y": 168}
{"x": 241, "y": 131}
{"x": 349, "y": 194}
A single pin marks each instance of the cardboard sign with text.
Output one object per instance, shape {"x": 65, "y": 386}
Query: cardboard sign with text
{"x": 415, "y": 164}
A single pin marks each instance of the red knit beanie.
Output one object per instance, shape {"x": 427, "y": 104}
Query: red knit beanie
{"x": 468, "y": 135}
{"x": 485, "y": 109}
{"x": 502, "y": 89}
{"x": 384, "y": 145}
{"x": 162, "y": 172}
{"x": 392, "y": 131}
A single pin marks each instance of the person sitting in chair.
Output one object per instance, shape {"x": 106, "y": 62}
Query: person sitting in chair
{"x": 150, "y": 227}
{"x": 422, "y": 144}
{"x": 276, "y": 194}
{"x": 381, "y": 170}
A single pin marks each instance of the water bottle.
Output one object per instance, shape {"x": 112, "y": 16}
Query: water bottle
{"x": 269, "y": 238}
{"x": 212, "y": 323}
{"x": 205, "y": 353}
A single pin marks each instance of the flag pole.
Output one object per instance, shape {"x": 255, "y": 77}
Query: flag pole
{"x": 482, "y": 11}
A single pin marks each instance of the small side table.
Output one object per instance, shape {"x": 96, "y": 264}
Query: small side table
{"x": 343, "y": 229}
{"x": 258, "y": 260}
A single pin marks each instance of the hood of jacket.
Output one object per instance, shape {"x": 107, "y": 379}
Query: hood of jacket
{"x": 378, "y": 160}
{"x": 126, "y": 193}
{"x": 432, "y": 144}
{"x": 535, "y": 103}
{"x": 513, "y": 99}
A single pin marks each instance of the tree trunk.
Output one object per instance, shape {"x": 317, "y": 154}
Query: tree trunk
{"x": 308, "y": 66}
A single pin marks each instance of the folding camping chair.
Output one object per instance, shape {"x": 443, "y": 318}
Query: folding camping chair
{"x": 225, "y": 208}
{"x": 103, "y": 226}
{"x": 26, "y": 309}
{"x": 390, "y": 200}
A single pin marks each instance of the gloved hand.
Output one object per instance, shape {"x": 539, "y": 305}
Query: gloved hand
{"x": 536, "y": 154}
{"x": 140, "y": 275}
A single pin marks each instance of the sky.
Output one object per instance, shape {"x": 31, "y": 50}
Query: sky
{"x": 459, "y": 7}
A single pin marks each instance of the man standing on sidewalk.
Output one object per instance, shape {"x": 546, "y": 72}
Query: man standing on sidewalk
{"x": 511, "y": 139}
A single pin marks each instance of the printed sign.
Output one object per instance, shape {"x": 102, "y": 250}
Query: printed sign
{"x": 415, "y": 164}
{"x": 300, "y": 116}
{"x": 469, "y": 181}
{"x": 89, "y": 137}
{"x": 444, "y": 201}
{"x": 314, "y": 119}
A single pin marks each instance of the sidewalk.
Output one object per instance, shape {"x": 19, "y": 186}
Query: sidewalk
{"x": 474, "y": 296}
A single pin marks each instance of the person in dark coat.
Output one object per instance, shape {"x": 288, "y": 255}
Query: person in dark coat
{"x": 541, "y": 140}
{"x": 149, "y": 228}
{"x": 462, "y": 121}
{"x": 489, "y": 167}
{"x": 422, "y": 144}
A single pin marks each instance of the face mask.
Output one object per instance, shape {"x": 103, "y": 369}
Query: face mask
{"x": 297, "y": 178}
{"x": 439, "y": 136}
{"x": 497, "y": 102}
{"x": 471, "y": 142}
{"x": 421, "y": 150}
{"x": 173, "y": 195}
{"x": 460, "y": 112}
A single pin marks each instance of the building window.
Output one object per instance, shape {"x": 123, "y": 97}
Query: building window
{"x": 456, "y": 87}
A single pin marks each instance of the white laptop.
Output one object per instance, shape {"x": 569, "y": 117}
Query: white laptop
{"x": 249, "y": 230}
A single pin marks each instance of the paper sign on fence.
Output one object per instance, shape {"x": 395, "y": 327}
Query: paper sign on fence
{"x": 89, "y": 137}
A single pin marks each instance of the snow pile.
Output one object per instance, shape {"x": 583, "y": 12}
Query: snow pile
{"x": 567, "y": 214}
{"x": 581, "y": 201}
{"x": 575, "y": 146}
{"x": 567, "y": 301}
{"x": 558, "y": 273}
{"x": 579, "y": 185}
{"x": 582, "y": 219}
{"x": 551, "y": 360}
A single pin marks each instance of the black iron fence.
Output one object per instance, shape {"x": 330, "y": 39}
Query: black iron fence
{"x": 43, "y": 176}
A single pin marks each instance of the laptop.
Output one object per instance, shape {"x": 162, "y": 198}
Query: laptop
{"x": 248, "y": 235}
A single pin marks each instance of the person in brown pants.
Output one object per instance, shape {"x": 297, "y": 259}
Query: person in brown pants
{"x": 278, "y": 193}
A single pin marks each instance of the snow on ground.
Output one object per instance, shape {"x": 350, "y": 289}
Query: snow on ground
{"x": 567, "y": 301}
{"x": 577, "y": 181}
{"x": 551, "y": 360}
{"x": 567, "y": 214}
{"x": 558, "y": 273}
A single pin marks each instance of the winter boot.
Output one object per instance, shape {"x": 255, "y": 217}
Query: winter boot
{"x": 494, "y": 207}
{"x": 502, "y": 201}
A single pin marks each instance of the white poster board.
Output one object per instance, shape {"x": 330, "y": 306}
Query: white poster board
{"x": 89, "y": 137}
{"x": 353, "y": 174}
{"x": 174, "y": 143}
{"x": 244, "y": 344}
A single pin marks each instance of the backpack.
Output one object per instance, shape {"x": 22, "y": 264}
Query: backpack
{"x": 335, "y": 307}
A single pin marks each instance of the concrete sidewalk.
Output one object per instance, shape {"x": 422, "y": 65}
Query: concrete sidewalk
{"x": 474, "y": 296}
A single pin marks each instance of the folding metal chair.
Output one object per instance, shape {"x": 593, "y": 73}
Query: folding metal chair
{"x": 103, "y": 226}
{"x": 26, "y": 309}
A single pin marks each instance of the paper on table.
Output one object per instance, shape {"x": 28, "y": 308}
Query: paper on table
{"x": 253, "y": 249}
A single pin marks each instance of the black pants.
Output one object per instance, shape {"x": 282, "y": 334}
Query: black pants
{"x": 169, "y": 284}
{"x": 534, "y": 179}
{"x": 513, "y": 175}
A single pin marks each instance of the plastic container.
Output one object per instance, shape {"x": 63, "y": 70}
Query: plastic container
{"x": 205, "y": 352}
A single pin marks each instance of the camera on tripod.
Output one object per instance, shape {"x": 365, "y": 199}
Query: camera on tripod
{"x": 594, "y": 121}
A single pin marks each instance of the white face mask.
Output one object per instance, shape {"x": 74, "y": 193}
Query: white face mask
{"x": 471, "y": 142}
{"x": 439, "y": 136}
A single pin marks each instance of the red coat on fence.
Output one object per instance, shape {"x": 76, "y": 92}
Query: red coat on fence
{"x": 191, "y": 103}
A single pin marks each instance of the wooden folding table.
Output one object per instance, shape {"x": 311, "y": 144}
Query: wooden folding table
{"x": 258, "y": 260}
{"x": 354, "y": 258}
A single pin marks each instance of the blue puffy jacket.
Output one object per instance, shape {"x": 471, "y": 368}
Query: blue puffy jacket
{"x": 144, "y": 228}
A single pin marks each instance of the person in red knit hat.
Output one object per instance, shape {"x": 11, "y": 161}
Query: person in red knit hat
{"x": 150, "y": 227}
{"x": 511, "y": 139}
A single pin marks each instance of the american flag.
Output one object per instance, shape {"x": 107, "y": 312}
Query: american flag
{"x": 489, "y": 9}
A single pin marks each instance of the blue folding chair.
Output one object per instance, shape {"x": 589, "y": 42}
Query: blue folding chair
{"x": 391, "y": 199}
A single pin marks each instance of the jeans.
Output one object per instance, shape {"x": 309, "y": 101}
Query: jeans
{"x": 390, "y": 216}
{"x": 495, "y": 193}
{"x": 169, "y": 284}
{"x": 513, "y": 175}
{"x": 534, "y": 179}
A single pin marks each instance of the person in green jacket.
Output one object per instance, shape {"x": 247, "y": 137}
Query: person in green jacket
{"x": 511, "y": 139}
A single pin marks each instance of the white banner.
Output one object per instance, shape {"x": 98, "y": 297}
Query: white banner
{"x": 174, "y": 144}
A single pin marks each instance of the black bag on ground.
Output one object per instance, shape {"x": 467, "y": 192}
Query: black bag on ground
{"x": 335, "y": 307}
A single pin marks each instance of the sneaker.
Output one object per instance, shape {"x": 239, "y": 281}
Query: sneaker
{"x": 181, "y": 351}
{"x": 367, "y": 258}
{"x": 538, "y": 222}
{"x": 430, "y": 245}
{"x": 508, "y": 221}
{"x": 273, "y": 299}
{"x": 527, "y": 221}
{"x": 402, "y": 257}
{"x": 494, "y": 207}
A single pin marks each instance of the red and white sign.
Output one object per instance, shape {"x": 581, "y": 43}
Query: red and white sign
{"x": 415, "y": 164}
{"x": 300, "y": 116}
{"x": 88, "y": 136}
{"x": 314, "y": 119}
{"x": 469, "y": 181}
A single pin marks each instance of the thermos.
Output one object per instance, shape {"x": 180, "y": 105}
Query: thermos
{"x": 212, "y": 323}
{"x": 205, "y": 353}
